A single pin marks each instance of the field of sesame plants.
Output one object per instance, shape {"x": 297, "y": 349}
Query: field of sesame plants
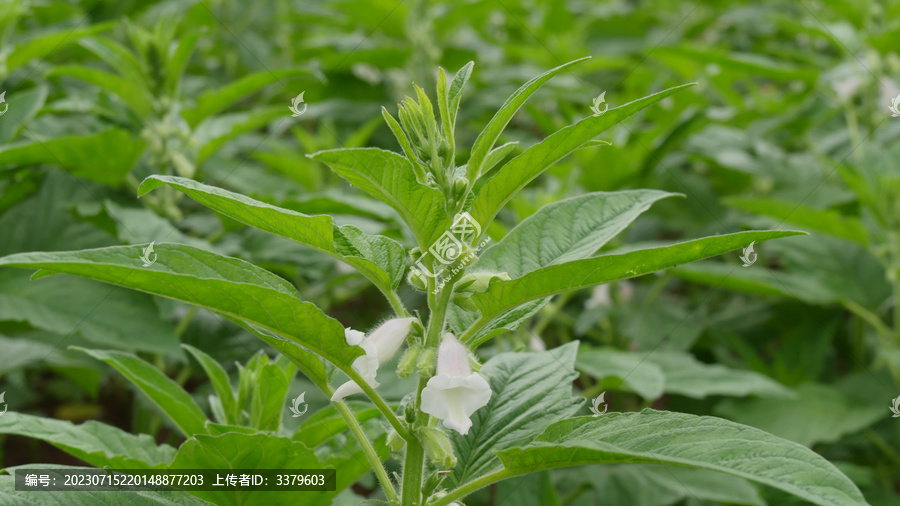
{"x": 449, "y": 253}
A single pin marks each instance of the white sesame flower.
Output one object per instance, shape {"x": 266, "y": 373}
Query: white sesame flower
{"x": 455, "y": 392}
{"x": 379, "y": 347}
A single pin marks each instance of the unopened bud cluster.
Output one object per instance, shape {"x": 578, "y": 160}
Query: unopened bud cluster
{"x": 430, "y": 146}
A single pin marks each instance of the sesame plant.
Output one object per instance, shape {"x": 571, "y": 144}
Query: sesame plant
{"x": 466, "y": 424}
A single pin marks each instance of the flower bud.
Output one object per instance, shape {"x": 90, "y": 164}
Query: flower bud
{"x": 379, "y": 347}
{"x": 417, "y": 280}
{"x": 427, "y": 362}
{"x": 460, "y": 186}
{"x": 408, "y": 361}
{"x": 445, "y": 151}
{"x": 437, "y": 447}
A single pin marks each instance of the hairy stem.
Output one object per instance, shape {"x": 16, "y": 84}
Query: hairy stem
{"x": 382, "y": 406}
{"x": 414, "y": 461}
{"x": 396, "y": 303}
{"x": 369, "y": 450}
{"x": 413, "y": 464}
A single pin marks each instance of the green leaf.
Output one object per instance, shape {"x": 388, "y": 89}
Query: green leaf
{"x": 457, "y": 85}
{"x": 269, "y": 396}
{"x": 819, "y": 220}
{"x": 230, "y": 286}
{"x": 390, "y": 178}
{"x": 106, "y": 157}
{"x": 116, "y": 56}
{"x": 310, "y": 364}
{"x": 328, "y": 422}
{"x": 23, "y": 352}
{"x": 217, "y": 131}
{"x": 518, "y": 172}
{"x": 755, "y": 64}
{"x": 760, "y": 281}
{"x": 488, "y": 137}
{"x": 678, "y": 439}
{"x": 503, "y": 296}
{"x": 234, "y": 450}
{"x": 214, "y": 101}
{"x": 649, "y": 374}
{"x": 567, "y": 230}
{"x": 220, "y": 382}
{"x": 96, "y": 443}
{"x": 22, "y": 108}
{"x": 530, "y": 391}
{"x": 133, "y": 95}
{"x": 9, "y": 496}
{"x": 165, "y": 393}
{"x": 42, "y": 46}
{"x": 656, "y": 485}
{"x": 615, "y": 369}
{"x": 827, "y": 413}
{"x": 178, "y": 61}
{"x": 536, "y": 490}
{"x": 108, "y": 316}
{"x": 381, "y": 259}
{"x": 141, "y": 225}
{"x": 497, "y": 155}
{"x": 685, "y": 375}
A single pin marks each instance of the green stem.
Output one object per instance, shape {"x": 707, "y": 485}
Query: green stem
{"x": 882, "y": 445}
{"x": 414, "y": 461}
{"x": 396, "y": 303}
{"x": 413, "y": 466}
{"x": 883, "y": 331}
{"x": 474, "y": 485}
{"x": 382, "y": 406}
{"x": 574, "y": 495}
{"x": 369, "y": 450}
{"x": 185, "y": 321}
{"x": 551, "y": 313}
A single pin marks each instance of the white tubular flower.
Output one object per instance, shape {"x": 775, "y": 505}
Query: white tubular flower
{"x": 455, "y": 392}
{"x": 379, "y": 348}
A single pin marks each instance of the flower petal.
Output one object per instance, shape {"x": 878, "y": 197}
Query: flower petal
{"x": 389, "y": 336}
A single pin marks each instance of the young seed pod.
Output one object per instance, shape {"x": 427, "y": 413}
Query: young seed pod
{"x": 409, "y": 413}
